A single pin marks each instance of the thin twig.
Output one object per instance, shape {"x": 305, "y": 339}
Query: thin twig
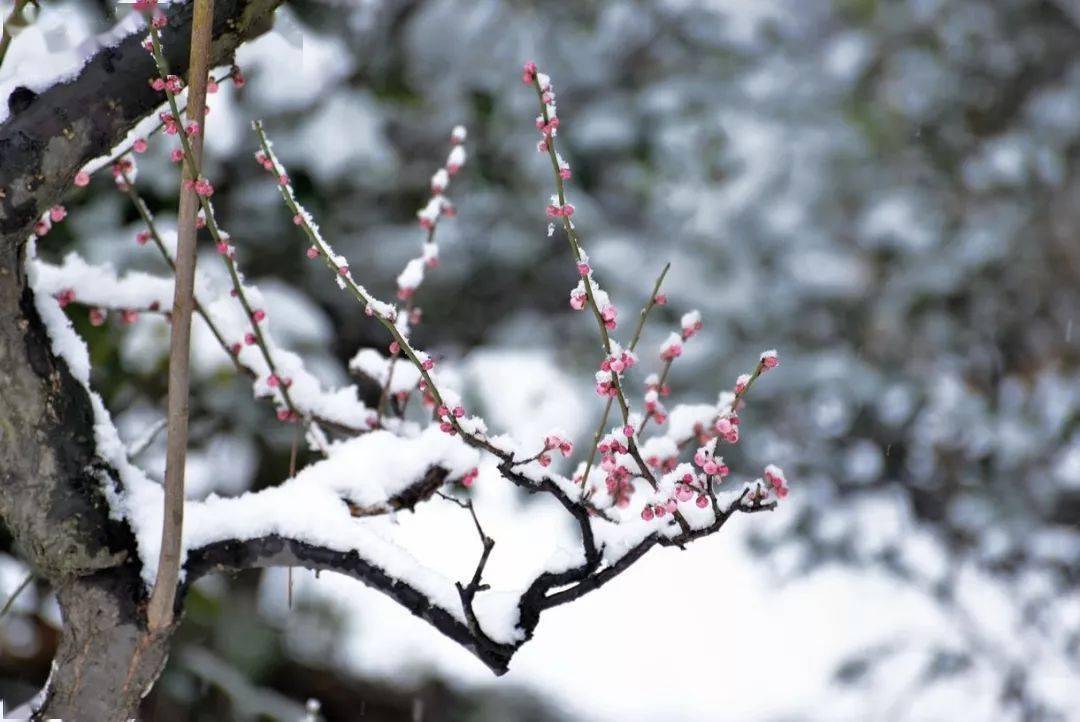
{"x": 15, "y": 594}
{"x": 163, "y": 598}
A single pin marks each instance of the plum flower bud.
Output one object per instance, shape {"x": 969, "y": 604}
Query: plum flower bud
{"x": 608, "y": 313}
{"x": 142, "y": 237}
{"x": 691, "y": 324}
{"x": 65, "y": 296}
{"x": 578, "y": 299}
{"x": 97, "y": 316}
{"x": 770, "y": 359}
{"x": 470, "y": 477}
{"x": 249, "y": 339}
{"x": 139, "y": 146}
{"x": 583, "y": 269}
{"x": 702, "y": 501}
{"x": 272, "y": 381}
{"x": 204, "y": 188}
{"x": 660, "y": 299}
{"x": 647, "y": 513}
{"x": 129, "y": 316}
{"x": 774, "y": 475}
{"x": 628, "y": 431}
{"x": 258, "y": 315}
{"x": 176, "y": 155}
{"x": 742, "y": 383}
{"x": 458, "y": 134}
{"x": 82, "y": 179}
{"x": 57, "y": 214}
{"x": 672, "y": 348}
{"x": 395, "y": 347}
{"x": 528, "y": 72}
{"x": 312, "y": 252}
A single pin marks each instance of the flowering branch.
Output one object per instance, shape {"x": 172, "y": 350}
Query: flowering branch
{"x": 386, "y": 314}
{"x": 413, "y": 274}
{"x": 604, "y": 312}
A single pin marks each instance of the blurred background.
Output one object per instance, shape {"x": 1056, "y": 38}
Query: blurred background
{"x": 887, "y": 191}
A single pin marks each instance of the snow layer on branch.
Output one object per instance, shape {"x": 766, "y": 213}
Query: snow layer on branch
{"x": 685, "y": 417}
{"x": 375, "y": 366}
{"x": 35, "y": 64}
{"x": 101, "y": 286}
{"x": 366, "y": 469}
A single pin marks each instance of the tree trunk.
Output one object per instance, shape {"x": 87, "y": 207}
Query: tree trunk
{"x": 51, "y": 479}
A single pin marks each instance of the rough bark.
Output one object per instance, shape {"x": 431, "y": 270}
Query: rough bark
{"x": 50, "y": 498}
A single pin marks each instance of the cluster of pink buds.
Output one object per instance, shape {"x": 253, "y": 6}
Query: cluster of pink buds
{"x": 445, "y": 414}
{"x": 727, "y": 428}
{"x": 170, "y": 83}
{"x": 264, "y": 160}
{"x": 470, "y": 477}
{"x": 653, "y": 407}
{"x": 774, "y": 475}
{"x": 169, "y": 122}
{"x": 659, "y": 511}
{"x": 709, "y": 463}
{"x": 608, "y": 313}
{"x": 558, "y": 441}
{"x": 65, "y": 297}
{"x": 688, "y": 487}
{"x": 200, "y": 186}
{"x": 605, "y": 384}
{"x": 672, "y": 347}
{"x": 619, "y": 361}
{"x": 555, "y": 210}
{"x": 691, "y": 324}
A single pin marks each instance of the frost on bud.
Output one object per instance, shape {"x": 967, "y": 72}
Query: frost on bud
{"x": 578, "y": 297}
{"x": 470, "y": 478}
{"x": 691, "y": 324}
{"x": 458, "y": 134}
{"x": 672, "y": 347}
{"x": 455, "y": 160}
{"x": 608, "y": 313}
{"x": 770, "y": 359}
{"x": 742, "y": 383}
{"x": 774, "y": 475}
